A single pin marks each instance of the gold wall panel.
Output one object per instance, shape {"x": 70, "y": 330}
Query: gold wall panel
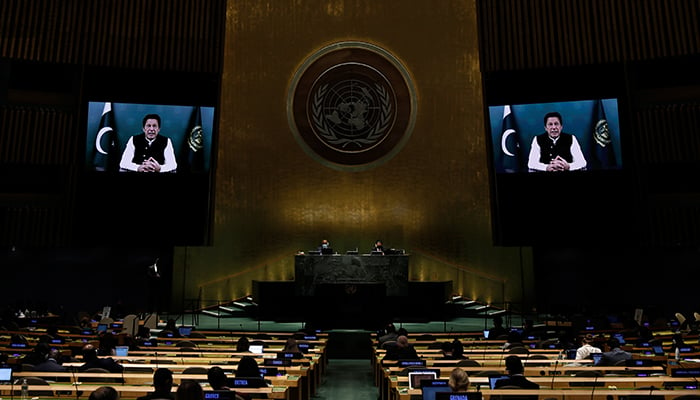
{"x": 272, "y": 199}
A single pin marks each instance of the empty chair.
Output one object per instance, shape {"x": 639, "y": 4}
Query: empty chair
{"x": 34, "y": 381}
{"x": 151, "y": 321}
{"x": 93, "y": 379}
{"x": 468, "y": 363}
{"x": 426, "y": 337}
{"x": 130, "y": 324}
{"x": 681, "y": 321}
{"x": 197, "y": 371}
{"x": 519, "y": 350}
{"x": 547, "y": 344}
{"x": 532, "y": 360}
{"x": 27, "y": 367}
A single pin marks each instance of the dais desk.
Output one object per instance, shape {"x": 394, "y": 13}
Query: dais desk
{"x": 312, "y": 271}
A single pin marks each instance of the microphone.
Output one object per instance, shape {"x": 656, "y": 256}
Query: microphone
{"x": 75, "y": 382}
{"x": 595, "y": 380}
{"x": 157, "y": 359}
{"x": 554, "y": 373}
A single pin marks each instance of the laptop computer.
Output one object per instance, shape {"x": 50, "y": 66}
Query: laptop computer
{"x": 185, "y": 331}
{"x": 597, "y": 358}
{"x": 658, "y": 349}
{"x": 121, "y": 351}
{"x": 620, "y": 338}
{"x": 571, "y": 354}
{"x": 5, "y": 376}
{"x": 415, "y": 378}
{"x": 102, "y": 328}
{"x": 495, "y": 378}
{"x": 256, "y": 348}
{"x": 429, "y": 387}
{"x": 458, "y": 396}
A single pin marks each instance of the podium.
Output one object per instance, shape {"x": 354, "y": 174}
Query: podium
{"x": 315, "y": 273}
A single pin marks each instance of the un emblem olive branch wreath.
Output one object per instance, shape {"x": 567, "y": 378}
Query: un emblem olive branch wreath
{"x": 319, "y": 121}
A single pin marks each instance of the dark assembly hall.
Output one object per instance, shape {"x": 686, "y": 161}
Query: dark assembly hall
{"x": 336, "y": 199}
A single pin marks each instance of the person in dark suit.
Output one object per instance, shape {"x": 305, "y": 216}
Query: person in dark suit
{"x": 515, "y": 370}
{"x": 93, "y": 361}
{"x": 402, "y": 350}
{"x": 149, "y": 151}
{"x": 217, "y": 378}
{"x": 378, "y": 246}
{"x": 162, "y": 385}
{"x": 52, "y": 363}
{"x": 614, "y": 354}
{"x": 389, "y": 335}
{"x": 497, "y": 330}
{"x": 555, "y": 150}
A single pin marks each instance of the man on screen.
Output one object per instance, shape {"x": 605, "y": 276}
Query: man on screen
{"x": 555, "y": 150}
{"x": 149, "y": 151}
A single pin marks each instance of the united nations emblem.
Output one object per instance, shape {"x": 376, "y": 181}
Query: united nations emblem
{"x": 601, "y": 134}
{"x": 351, "y": 106}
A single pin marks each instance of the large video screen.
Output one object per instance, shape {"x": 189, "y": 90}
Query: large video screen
{"x": 128, "y": 137}
{"x": 581, "y": 135}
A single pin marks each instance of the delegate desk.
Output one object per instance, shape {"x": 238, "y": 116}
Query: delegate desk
{"x": 312, "y": 271}
{"x": 68, "y": 390}
{"x": 290, "y": 383}
{"x": 570, "y": 394}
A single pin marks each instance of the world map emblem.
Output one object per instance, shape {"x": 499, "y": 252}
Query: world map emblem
{"x": 351, "y": 106}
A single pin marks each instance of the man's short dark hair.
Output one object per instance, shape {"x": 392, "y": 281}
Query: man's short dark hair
{"x": 104, "y": 393}
{"x": 216, "y": 377}
{"x": 613, "y": 343}
{"x": 150, "y": 116}
{"x": 163, "y": 377}
{"x": 514, "y": 365}
{"x": 547, "y": 116}
{"x": 89, "y": 352}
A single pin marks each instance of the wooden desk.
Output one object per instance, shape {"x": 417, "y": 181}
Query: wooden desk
{"x": 388, "y": 374}
{"x": 130, "y": 391}
{"x": 313, "y": 270}
{"x": 566, "y": 394}
{"x": 292, "y": 382}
